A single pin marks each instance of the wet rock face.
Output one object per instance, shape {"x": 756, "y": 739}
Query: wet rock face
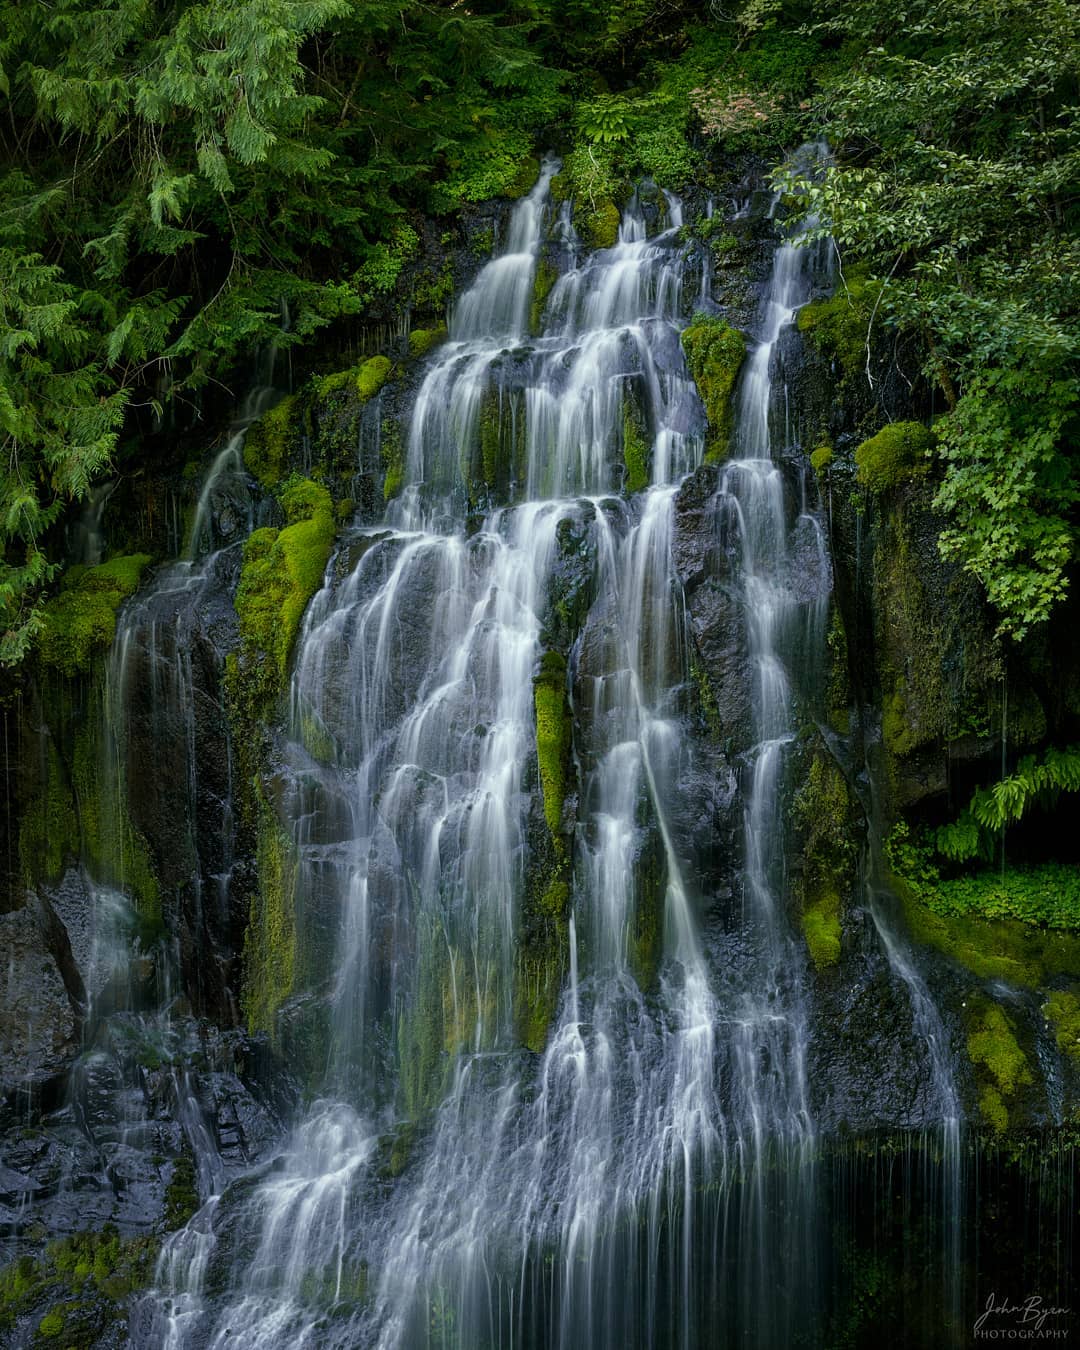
{"x": 38, "y": 1030}
{"x": 713, "y": 602}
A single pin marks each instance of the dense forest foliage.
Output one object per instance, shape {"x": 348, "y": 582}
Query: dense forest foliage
{"x": 182, "y": 182}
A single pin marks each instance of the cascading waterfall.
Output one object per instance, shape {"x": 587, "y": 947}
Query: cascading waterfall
{"x": 647, "y": 1176}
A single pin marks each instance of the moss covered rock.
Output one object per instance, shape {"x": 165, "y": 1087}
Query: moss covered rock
{"x": 81, "y": 620}
{"x": 600, "y": 225}
{"x": 715, "y": 353}
{"x": 896, "y": 454}
{"x": 1062, "y": 1011}
{"x": 837, "y": 326}
{"x": 269, "y": 441}
{"x": 824, "y": 816}
{"x": 282, "y": 570}
{"x": 424, "y": 340}
{"x": 372, "y": 375}
{"x": 1000, "y": 1064}
{"x": 553, "y": 737}
{"x": 270, "y": 945}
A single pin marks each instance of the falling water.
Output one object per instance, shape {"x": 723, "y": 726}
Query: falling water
{"x": 644, "y": 1174}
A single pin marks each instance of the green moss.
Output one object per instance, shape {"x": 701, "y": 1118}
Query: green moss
{"x": 600, "y": 225}
{"x": 1000, "y": 949}
{"x": 269, "y": 441}
{"x": 821, "y": 459}
{"x": 87, "y": 1279}
{"x": 824, "y": 816}
{"x": 51, "y": 1325}
{"x": 821, "y": 928}
{"x": 896, "y": 454}
{"x": 282, "y": 570}
{"x": 538, "y": 979}
{"x": 1001, "y": 1065}
{"x": 553, "y": 738}
{"x": 270, "y": 945}
{"x": 635, "y": 453}
{"x": 113, "y": 849}
{"x": 392, "y": 454}
{"x": 837, "y": 326}
{"x": 81, "y": 620}
{"x": 837, "y": 683}
{"x": 326, "y": 386}
{"x": 714, "y": 353}
{"x": 48, "y": 824}
{"x": 547, "y": 274}
{"x": 423, "y": 340}
{"x": 372, "y": 375}
{"x": 181, "y": 1194}
{"x": 1062, "y": 1010}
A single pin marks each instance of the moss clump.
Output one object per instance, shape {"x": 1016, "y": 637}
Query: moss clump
{"x": 270, "y": 942}
{"x": 896, "y": 454}
{"x": 821, "y": 928}
{"x": 423, "y": 340}
{"x": 714, "y": 353}
{"x": 51, "y": 1325}
{"x": 635, "y": 453}
{"x": 392, "y": 454}
{"x": 821, "y": 459}
{"x": 372, "y": 375}
{"x": 269, "y": 441}
{"x": 326, "y": 386}
{"x": 81, "y": 620}
{"x": 600, "y": 226}
{"x": 282, "y": 570}
{"x": 1001, "y": 1065}
{"x": 1062, "y": 1010}
{"x": 837, "y": 327}
{"x": 547, "y": 274}
{"x": 553, "y": 739}
{"x": 823, "y": 814}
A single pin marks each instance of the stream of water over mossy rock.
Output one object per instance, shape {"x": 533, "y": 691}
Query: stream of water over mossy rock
{"x": 500, "y": 761}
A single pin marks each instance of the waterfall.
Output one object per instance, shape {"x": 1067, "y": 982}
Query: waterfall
{"x": 640, "y": 1166}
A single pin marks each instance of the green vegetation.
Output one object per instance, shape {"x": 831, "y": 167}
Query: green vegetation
{"x": 1037, "y": 781}
{"x": 1001, "y": 1065}
{"x": 372, "y": 375}
{"x": 960, "y": 129}
{"x": 553, "y": 739}
{"x": 81, "y": 620}
{"x": 714, "y": 353}
{"x": 85, "y": 1279}
{"x": 1062, "y": 1011}
{"x": 546, "y": 276}
{"x": 270, "y": 944}
{"x": 896, "y": 454}
{"x": 424, "y": 340}
{"x": 821, "y": 459}
{"x": 282, "y": 571}
{"x": 268, "y": 441}
{"x": 635, "y": 453}
{"x": 839, "y": 326}
{"x": 824, "y": 817}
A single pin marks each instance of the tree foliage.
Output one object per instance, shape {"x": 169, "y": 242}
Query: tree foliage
{"x": 957, "y": 157}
